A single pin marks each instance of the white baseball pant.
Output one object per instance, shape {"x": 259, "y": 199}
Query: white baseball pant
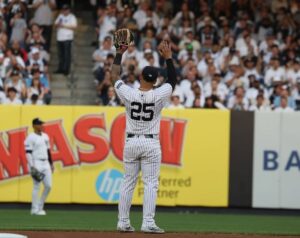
{"x": 38, "y": 202}
{"x": 143, "y": 154}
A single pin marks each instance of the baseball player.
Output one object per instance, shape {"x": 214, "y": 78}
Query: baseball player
{"x": 40, "y": 164}
{"x": 142, "y": 146}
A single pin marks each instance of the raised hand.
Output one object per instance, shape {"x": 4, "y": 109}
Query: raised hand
{"x": 164, "y": 49}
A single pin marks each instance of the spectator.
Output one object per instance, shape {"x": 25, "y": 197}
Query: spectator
{"x": 188, "y": 53}
{"x": 212, "y": 102}
{"x": 103, "y": 87}
{"x": 112, "y": 99}
{"x": 148, "y": 59}
{"x": 175, "y": 102}
{"x": 238, "y": 101}
{"x": 197, "y": 95}
{"x": 43, "y": 88}
{"x": 187, "y": 87}
{"x": 216, "y": 88}
{"x": 19, "y": 28}
{"x": 260, "y": 104}
{"x": 285, "y": 92}
{"x": 65, "y": 23}
{"x": 284, "y": 106}
{"x": 185, "y": 13}
{"x": 131, "y": 81}
{"x": 275, "y": 74}
{"x": 36, "y": 88}
{"x": 34, "y": 100}
{"x": 36, "y": 59}
{"x": 17, "y": 50}
{"x": 107, "y": 22}
{"x": 34, "y": 36}
{"x": 43, "y": 16}
{"x": 253, "y": 90}
{"x": 17, "y": 83}
{"x": 293, "y": 73}
{"x": 100, "y": 57}
{"x": 12, "y": 98}
{"x": 189, "y": 38}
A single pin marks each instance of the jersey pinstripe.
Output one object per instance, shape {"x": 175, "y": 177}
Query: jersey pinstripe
{"x": 143, "y": 114}
{"x": 143, "y": 108}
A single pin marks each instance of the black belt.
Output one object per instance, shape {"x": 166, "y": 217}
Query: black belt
{"x": 146, "y": 136}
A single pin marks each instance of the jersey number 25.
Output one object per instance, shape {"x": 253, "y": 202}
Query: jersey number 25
{"x": 146, "y": 108}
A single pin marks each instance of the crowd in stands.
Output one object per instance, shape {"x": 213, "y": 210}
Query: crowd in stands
{"x": 229, "y": 54}
{"x": 25, "y": 37}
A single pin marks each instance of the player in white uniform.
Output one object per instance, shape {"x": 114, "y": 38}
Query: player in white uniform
{"x": 37, "y": 147}
{"x": 142, "y": 147}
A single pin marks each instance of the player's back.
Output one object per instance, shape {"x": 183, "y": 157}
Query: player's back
{"x": 143, "y": 108}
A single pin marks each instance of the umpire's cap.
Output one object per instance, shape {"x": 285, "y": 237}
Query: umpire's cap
{"x": 37, "y": 121}
{"x": 150, "y": 74}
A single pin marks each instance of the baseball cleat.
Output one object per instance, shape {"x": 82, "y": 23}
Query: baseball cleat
{"x": 39, "y": 213}
{"x": 128, "y": 228}
{"x": 152, "y": 229}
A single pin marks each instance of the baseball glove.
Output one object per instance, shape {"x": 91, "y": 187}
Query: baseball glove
{"x": 36, "y": 175}
{"x": 123, "y": 38}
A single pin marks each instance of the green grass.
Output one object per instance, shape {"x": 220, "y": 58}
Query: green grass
{"x": 97, "y": 220}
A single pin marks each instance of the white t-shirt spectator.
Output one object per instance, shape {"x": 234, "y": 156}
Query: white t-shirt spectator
{"x": 144, "y": 62}
{"x": 64, "y": 34}
{"x": 103, "y": 55}
{"x": 184, "y": 56}
{"x": 293, "y": 76}
{"x": 251, "y": 71}
{"x": 251, "y": 94}
{"x": 244, "y": 50}
{"x": 240, "y": 81}
{"x": 179, "y": 92}
{"x": 263, "y": 46}
{"x": 141, "y": 55}
{"x": 231, "y": 104}
{"x": 20, "y": 62}
{"x": 134, "y": 54}
{"x": 179, "y": 16}
{"x": 188, "y": 94}
{"x": 222, "y": 91}
{"x": 109, "y": 24}
{"x": 141, "y": 18}
{"x": 16, "y": 101}
{"x": 19, "y": 86}
{"x": 274, "y": 75}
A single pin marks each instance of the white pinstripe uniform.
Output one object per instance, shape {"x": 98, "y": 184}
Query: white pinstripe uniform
{"x": 39, "y": 145}
{"x": 143, "y": 113}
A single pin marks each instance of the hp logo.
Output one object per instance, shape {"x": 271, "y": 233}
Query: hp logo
{"x": 108, "y": 185}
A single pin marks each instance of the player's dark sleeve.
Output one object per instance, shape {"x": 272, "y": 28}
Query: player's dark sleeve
{"x": 49, "y": 157}
{"x": 171, "y": 73}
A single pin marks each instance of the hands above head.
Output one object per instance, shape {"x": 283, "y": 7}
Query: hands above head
{"x": 164, "y": 49}
{"x": 123, "y": 38}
